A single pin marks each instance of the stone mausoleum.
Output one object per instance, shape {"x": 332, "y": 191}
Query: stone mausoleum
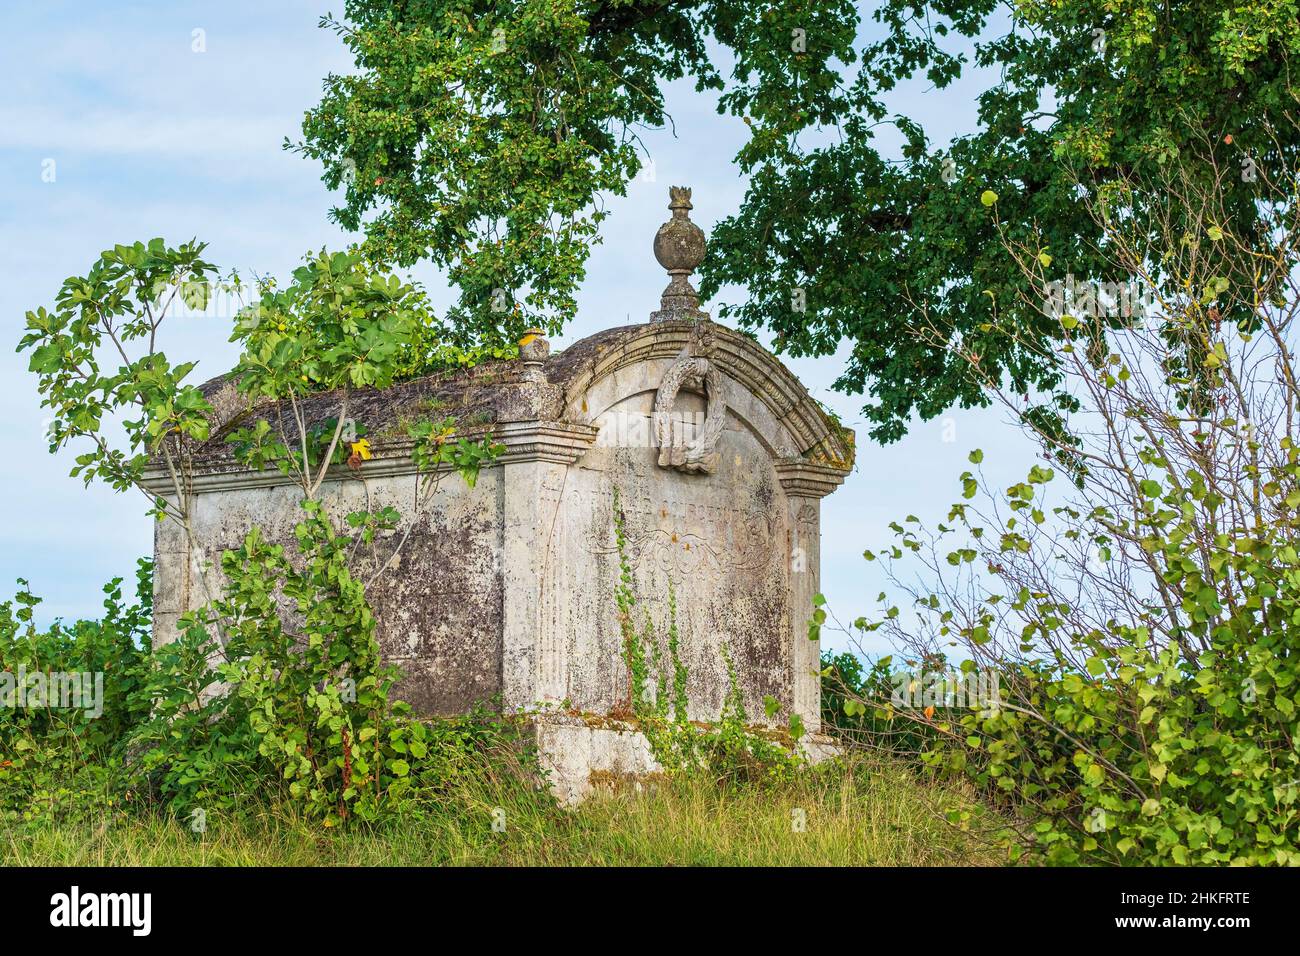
{"x": 504, "y": 593}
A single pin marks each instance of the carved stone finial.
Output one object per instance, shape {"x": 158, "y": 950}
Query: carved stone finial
{"x": 533, "y": 350}
{"x": 679, "y": 247}
{"x": 534, "y": 347}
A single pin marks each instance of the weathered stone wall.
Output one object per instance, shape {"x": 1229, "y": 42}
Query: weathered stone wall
{"x": 437, "y": 604}
{"x": 719, "y": 542}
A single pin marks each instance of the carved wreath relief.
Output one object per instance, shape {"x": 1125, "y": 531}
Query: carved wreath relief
{"x": 698, "y": 454}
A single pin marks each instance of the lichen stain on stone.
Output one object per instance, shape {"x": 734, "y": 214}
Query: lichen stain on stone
{"x": 441, "y": 613}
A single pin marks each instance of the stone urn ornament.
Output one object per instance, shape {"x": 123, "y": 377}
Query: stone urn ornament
{"x": 679, "y": 247}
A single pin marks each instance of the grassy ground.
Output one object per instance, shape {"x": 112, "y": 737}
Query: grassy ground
{"x": 867, "y": 814}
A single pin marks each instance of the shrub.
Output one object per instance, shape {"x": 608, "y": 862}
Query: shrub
{"x": 1137, "y": 595}
{"x": 846, "y": 687}
{"x": 276, "y": 681}
{"x": 64, "y": 754}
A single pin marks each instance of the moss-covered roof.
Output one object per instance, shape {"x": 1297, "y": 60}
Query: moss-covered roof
{"x": 511, "y": 391}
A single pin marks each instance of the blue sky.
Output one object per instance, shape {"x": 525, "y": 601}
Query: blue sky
{"x": 150, "y": 138}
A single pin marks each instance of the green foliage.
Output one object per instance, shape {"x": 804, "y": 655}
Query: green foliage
{"x": 857, "y": 813}
{"x": 679, "y": 674}
{"x": 276, "y": 685}
{"x": 433, "y": 448}
{"x": 341, "y": 323}
{"x": 267, "y": 722}
{"x": 857, "y": 706}
{"x": 1115, "y": 742}
{"x": 256, "y": 446}
{"x": 480, "y": 136}
{"x": 1182, "y": 753}
{"x": 297, "y": 694}
{"x": 87, "y": 377}
{"x": 1138, "y": 618}
{"x": 63, "y": 756}
{"x": 1132, "y": 93}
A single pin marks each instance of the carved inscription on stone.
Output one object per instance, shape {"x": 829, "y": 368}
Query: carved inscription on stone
{"x": 682, "y": 536}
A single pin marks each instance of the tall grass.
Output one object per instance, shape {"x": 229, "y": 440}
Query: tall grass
{"x": 873, "y": 813}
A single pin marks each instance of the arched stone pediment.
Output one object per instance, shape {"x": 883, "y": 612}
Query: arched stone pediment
{"x": 605, "y": 369}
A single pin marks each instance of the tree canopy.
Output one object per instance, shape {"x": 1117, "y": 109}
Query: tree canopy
{"x": 485, "y": 137}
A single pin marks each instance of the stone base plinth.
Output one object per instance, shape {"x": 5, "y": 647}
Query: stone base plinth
{"x": 578, "y": 754}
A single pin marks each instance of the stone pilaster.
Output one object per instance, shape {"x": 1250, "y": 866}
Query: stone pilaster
{"x": 535, "y": 466}
{"x": 805, "y": 484}
{"x": 171, "y": 578}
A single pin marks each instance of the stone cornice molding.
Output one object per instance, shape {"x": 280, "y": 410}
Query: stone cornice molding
{"x": 560, "y": 442}
{"x": 805, "y": 479}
